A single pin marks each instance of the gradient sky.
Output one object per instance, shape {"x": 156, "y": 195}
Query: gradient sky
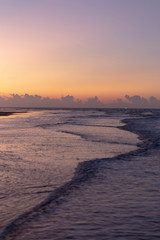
{"x": 84, "y": 48}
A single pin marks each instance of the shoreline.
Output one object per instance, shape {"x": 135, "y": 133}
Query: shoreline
{"x": 85, "y": 171}
{"x": 9, "y": 113}
{"x": 3, "y": 114}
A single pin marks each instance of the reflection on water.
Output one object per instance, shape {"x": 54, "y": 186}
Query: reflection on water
{"x": 122, "y": 202}
{"x": 39, "y": 152}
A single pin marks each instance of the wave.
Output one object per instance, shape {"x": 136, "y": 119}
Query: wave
{"x": 47, "y": 125}
{"x": 83, "y": 173}
{"x": 91, "y": 138}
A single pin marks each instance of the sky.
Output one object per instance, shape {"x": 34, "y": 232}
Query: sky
{"x": 82, "y": 48}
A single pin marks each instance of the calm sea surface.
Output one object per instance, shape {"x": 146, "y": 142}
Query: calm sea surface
{"x": 80, "y": 174}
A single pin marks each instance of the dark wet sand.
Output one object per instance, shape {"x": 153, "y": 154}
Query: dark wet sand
{"x": 6, "y": 113}
{"x": 2, "y": 114}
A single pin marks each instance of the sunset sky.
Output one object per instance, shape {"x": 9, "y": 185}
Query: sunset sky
{"x": 84, "y": 48}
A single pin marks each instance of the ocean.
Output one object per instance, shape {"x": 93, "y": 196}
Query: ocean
{"x": 83, "y": 174}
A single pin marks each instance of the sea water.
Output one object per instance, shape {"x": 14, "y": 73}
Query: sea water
{"x": 80, "y": 174}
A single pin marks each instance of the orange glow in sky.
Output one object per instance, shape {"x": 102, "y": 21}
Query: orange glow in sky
{"x": 83, "y": 49}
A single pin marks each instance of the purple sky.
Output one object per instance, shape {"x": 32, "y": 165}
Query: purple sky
{"x": 83, "y": 48}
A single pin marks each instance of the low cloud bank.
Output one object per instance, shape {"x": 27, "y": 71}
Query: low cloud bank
{"x": 36, "y": 101}
{"x": 137, "y": 101}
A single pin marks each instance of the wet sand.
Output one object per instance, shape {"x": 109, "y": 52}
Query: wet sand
{"x": 6, "y": 113}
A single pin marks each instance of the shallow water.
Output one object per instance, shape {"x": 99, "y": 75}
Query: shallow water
{"x": 109, "y": 198}
{"x": 122, "y": 202}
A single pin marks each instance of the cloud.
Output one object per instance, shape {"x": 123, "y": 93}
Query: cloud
{"x": 36, "y": 101}
{"x": 140, "y": 102}
{"x": 154, "y": 101}
{"x": 137, "y": 100}
{"x": 94, "y": 102}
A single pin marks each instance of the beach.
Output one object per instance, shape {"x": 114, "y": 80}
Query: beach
{"x": 114, "y": 195}
{"x": 6, "y": 113}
